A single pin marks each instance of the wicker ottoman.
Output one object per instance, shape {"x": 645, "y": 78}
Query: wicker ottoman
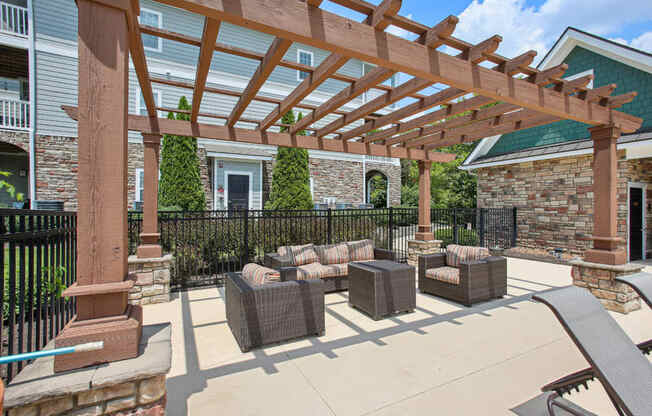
{"x": 382, "y": 287}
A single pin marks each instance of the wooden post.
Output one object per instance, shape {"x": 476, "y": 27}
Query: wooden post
{"x": 102, "y": 284}
{"x": 424, "y": 232}
{"x": 605, "y": 198}
{"x": 150, "y": 247}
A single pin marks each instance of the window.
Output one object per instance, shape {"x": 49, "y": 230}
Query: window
{"x": 141, "y": 108}
{"x": 305, "y": 58}
{"x": 151, "y": 18}
{"x": 140, "y": 185}
{"x": 369, "y": 95}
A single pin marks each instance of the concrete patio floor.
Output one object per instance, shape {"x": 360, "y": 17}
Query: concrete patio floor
{"x": 443, "y": 359}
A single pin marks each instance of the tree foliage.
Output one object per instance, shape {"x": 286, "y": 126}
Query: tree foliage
{"x": 180, "y": 184}
{"x": 291, "y": 175}
{"x": 378, "y": 191}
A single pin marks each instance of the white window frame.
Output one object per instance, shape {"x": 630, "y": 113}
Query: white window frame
{"x": 226, "y": 187}
{"x": 158, "y": 96}
{"x": 312, "y": 61}
{"x": 139, "y": 185}
{"x": 159, "y": 48}
{"x": 312, "y": 188}
{"x": 643, "y": 186}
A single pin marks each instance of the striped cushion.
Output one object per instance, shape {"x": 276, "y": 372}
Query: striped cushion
{"x": 320, "y": 271}
{"x": 445, "y": 274}
{"x": 457, "y": 254}
{"x": 333, "y": 253}
{"x": 256, "y": 274}
{"x": 299, "y": 255}
{"x": 361, "y": 250}
{"x": 337, "y": 270}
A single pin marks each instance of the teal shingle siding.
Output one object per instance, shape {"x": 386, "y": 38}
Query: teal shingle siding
{"x": 606, "y": 71}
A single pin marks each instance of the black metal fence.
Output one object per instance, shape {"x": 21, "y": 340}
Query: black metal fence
{"x": 207, "y": 244}
{"x": 37, "y": 262}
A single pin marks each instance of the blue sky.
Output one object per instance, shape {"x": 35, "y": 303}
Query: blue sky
{"x": 531, "y": 24}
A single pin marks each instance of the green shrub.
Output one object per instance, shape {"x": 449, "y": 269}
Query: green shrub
{"x": 180, "y": 184}
{"x": 465, "y": 237}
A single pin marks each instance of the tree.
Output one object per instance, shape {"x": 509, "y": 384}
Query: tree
{"x": 180, "y": 184}
{"x": 291, "y": 175}
{"x": 378, "y": 191}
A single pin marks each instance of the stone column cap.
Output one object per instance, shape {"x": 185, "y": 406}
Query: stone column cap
{"x": 621, "y": 268}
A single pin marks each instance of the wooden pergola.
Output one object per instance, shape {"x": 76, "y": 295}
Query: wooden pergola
{"x": 501, "y": 94}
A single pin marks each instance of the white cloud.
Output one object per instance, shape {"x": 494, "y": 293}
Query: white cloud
{"x": 526, "y": 27}
{"x": 643, "y": 42}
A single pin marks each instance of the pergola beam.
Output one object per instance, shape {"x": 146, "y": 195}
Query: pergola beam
{"x": 569, "y": 87}
{"x": 448, "y": 111}
{"x": 427, "y": 103}
{"x": 437, "y": 35}
{"x": 478, "y": 53}
{"x": 376, "y": 76}
{"x": 387, "y": 8}
{"x": 209, "y": 37}
{"x": 543, "y": 78}
{"x": 516, "y": 65}
{"x": 318, "y": 28}
{"x": 272, "y": 58}
{"x": 219, "y": 116}
{"x": 211, "y": 131}
{"x": 249, "y": 54}
{"x": 400, "y": 92}
{"x": 328, "y": 67}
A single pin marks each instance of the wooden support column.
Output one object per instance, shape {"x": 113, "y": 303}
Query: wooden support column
{"x": 424, "y": 233}
{"x": 605, "y": 198}
{"x": 150, "y": 247}
{"x": 102, "y": 285}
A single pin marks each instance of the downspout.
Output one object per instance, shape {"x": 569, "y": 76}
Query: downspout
{"x": 31, "y": 58}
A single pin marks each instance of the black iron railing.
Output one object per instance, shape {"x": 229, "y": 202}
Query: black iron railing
{"x": 37, "y": 262}
{"x": 207, "y": 244}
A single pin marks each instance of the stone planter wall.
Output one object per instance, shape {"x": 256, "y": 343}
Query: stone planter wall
{"x": 599, "y": 279}
{"x": 151, "y": 280}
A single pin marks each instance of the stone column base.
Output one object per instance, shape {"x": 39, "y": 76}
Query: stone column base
{"x": 151, "y": 279}
{"x": 419, "y": 247}
{"x": 130, "y": 387}
{"x": 599, "y": 279}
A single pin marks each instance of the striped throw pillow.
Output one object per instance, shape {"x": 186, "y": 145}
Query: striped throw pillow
{"x": 456, "y": 254}
{"x": 362, "y": 250}
{"x": 299, "y": 255}
{"x": 256, "y": 274}
{"x": 333, "y": 253}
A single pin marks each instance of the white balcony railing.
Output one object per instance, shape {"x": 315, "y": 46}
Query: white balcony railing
{"x": 13, "y": 19}
{"x": 14, "y": 114}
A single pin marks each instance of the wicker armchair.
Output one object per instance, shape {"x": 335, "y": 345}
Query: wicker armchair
{"x": 479, "y": 280}
{"x": 273, "y": 312}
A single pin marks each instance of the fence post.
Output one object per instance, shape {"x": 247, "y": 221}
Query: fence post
{"x": 482, "y": 226}
{"x": 330, "y": 227}
{"x": 514, "y": 227}
{"x": 390, "y": 234}
{"x": 455, "y": 236}
{"x": 246, "y": 236}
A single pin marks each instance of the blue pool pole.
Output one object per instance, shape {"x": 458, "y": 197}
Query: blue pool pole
{"x": 91, "y": 346}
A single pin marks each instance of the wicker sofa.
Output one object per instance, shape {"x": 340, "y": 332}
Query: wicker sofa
{"x": 463, "y": 274}
{"x": 330, "y": 264}
{"x": 260, "y": 314}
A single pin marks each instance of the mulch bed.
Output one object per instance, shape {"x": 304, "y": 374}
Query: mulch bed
{"x": 539, "y": 255}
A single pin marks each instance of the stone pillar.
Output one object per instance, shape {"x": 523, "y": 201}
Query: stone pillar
{"x": 101, "y": 289}
{"x": 599, "y": 279}
{"x": 605, "y": 198}
{"x": 420, "y": 247}
{"x": 424, "y": 232}
{"x": 151, "y": 280}
{"x": 149, "y": 246}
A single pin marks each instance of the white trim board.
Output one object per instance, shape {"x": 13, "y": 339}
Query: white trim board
{"x": 573, "y": 38}
{"x": 236, "y": 156}
{"x": 643, "y": 186}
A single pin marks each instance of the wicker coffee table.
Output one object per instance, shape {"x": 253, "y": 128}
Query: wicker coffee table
{"x": 382, "y": 287}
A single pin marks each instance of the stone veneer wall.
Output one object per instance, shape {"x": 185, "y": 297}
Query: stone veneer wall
{"x": 57, "y": 166}
{"x": 555, "y": 198}
{"x": 145, "y": 397}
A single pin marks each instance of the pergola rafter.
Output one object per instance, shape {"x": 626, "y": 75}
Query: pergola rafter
{"x": 109, "y": 31}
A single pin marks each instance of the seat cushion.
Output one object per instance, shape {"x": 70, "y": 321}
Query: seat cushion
{"x": 299, "y": 255}
{"x": 256, "y": 274}
{"x": 445, "y": 274}
{"x": 361, "y": 250}
{"x": 320, "y": 271}
{"x": 333, "y": 253}
{"x": 457, "y": 254}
